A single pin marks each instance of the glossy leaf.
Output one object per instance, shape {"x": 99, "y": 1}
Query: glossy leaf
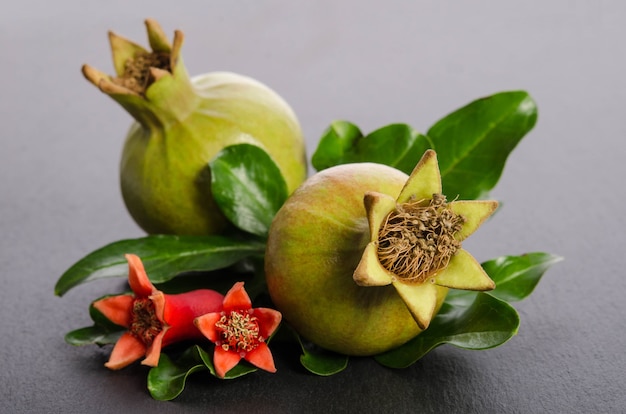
{"x": 91, "y": 335}
{"x": 404, "y": 146}
{"x": 320, "y": 361}
{"x": 395, "y": 145}
{"x": 473, "y": 142}
{"x": 167, "y": 380}
{"x": 470, "y": 320}
{"x": 163, "y": 256}
{"x": 477, "y": 320}
{"x": 517, "y": 276}
{"x": 248, "y": 187}
{"x": 335, "y": 145}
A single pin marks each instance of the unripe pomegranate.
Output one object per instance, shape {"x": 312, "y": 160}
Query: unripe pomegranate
{"x": 360, "y": 258}
{"x": 181, "y": 124}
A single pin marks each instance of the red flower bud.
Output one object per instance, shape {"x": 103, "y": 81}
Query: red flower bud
{"x": 154, "y": 319}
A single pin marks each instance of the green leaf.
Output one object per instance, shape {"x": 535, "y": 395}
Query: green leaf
{"x": 167, "y": 380}
{"x": 473, "y": 142}
{"x": 470, "y": 320}
{"x": 517, "y": 276}
{"x": 248, "y": 187}
{"x": 319, "y": 361}
{"x": 90, "y": 335}
{"x": 395, "y": 145}
{"x": 322, "y": 362}
{"x": 163, "y": 256}
{"x": 401, "y": 146}
{"x": 335, "y": 144}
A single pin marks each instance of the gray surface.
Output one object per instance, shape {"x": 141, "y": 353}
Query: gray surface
{"x": 392, "y": 62}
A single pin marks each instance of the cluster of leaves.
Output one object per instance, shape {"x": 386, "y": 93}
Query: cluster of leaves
{"x": 472, "y": 146}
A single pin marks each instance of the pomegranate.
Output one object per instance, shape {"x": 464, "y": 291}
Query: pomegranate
{"x": 181, "y": 124}
{"x": 361, "y": 256}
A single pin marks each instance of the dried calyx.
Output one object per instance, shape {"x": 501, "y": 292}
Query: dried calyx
{"x": 418, "y": 238}
{"x": 137, "y": 68}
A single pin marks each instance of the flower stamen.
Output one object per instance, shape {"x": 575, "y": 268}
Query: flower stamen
{"x": 417, "y": 239}
{"x": 239, "y": 330}
{"x": 136, "y": 76}
{"x": 145, "y": 325}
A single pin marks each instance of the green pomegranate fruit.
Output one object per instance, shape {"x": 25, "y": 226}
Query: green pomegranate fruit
{"x": 181, "y": 123}
{"x": 361, "y": 256}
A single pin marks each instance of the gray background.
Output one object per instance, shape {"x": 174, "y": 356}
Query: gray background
{"x": 372, "y": 63}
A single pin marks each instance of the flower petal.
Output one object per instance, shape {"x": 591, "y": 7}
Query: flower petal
{"x": 269, "y": 319}
{"x": 475, "y": 213}
{"x": 158, "y": 300}
{"x": 237, "y": 298}
{"x": 369, "y": 271}
{"x": 137, "y": 277}
{"x": 117, "y": 309}
{"x": 224, "y": 361}
{"x": 421, "y": 300}
{"x": 424, "y": 181}
{"x": 127, "y": 350}
{"x": 206, "y": 325}
{"x": 464, "y": 272}
{"x": 153, "y": 353}
{"x": 261, "y": 357}
{"x": 377, "y": 206}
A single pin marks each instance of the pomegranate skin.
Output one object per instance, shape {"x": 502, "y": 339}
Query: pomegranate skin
{"x": 315, "y": 243}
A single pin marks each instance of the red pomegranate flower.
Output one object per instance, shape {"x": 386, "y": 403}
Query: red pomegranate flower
{"x": 154, "y": 319}
{"x": 239, "y": 331}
